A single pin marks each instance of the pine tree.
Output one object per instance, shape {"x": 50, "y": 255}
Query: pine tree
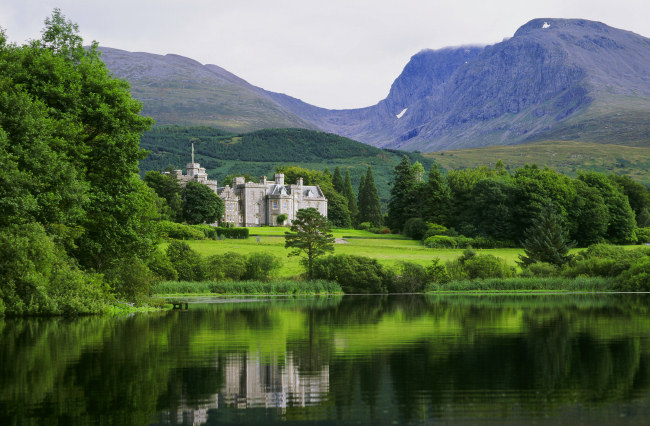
{"x": 369, "y": 205}
{"x": 348, "y": 192}
{"x": 546, "y": 240}
{"x": 402, "y": 203}
{"x": 337, "y": 181}
{"x": 436, "y": 200}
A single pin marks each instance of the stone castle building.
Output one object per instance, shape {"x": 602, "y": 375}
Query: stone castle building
{"x": 258, "y": 204}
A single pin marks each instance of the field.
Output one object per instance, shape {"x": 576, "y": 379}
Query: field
{"x": 568, "y": 157}
{"x": 389, "y": 250}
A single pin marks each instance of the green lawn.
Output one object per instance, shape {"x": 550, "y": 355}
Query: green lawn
{"x": 387, "y": 249}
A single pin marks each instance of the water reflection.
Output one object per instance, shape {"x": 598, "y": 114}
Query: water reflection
{"x": 372, "y": 359}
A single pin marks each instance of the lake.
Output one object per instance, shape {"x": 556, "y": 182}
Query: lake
{"x": 400, "y": 359}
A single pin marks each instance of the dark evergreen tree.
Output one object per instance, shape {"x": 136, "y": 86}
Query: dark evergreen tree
{"x": 369, "y": 204}
{"x": 436, "y": 198}
{"x": 169, "y": 189}
{"x": 402, "y": 203}
{"x": 546, "y": 240}
{"x": 310, "y": 234}
{"x": 337, "y": 181}
{"x": 348, "y": 192}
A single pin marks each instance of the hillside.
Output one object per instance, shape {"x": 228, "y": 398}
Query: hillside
{"x": 259, "y": 153}
{"x": 555, "y": 79}
{"x": 181, "y": 91}
{"x": 567, "y": 157}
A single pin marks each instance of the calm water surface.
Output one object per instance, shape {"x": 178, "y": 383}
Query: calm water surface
{"x": 543, "y": 359}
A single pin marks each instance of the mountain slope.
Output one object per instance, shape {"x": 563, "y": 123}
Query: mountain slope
{"x": 179, "y": 90}
{"x": 556, "y": 78}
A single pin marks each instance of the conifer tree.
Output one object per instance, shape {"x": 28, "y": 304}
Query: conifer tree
{"x": 337, "y": 181}
{"x": 369, "y": 205}
{"x": 348, "y": 192}
{"x": 546, "y": 240}
{"x": 436, "y": 200}
{"x": 399, "y": 205}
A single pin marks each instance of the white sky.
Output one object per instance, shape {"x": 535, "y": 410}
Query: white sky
{"x": 330, "y": 53}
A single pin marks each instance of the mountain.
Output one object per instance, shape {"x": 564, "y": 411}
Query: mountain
{"x": 555, "y": 79}
{"x": 179, "y": 90}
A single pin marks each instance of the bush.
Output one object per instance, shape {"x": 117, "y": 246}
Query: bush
{"x": 208, "y": 231}
{"x": 364, "y": 226}
{"x": 643, "y": 235}
{"x": 603, "y": 260}
{"x": 410, "y": 278}
{"x": 355, "y": 274}
{"x": 179, "y": 231}
{"x": 637, "y": 278}
{"x": 130, "y": 278}
{"x": 438, "y": 272}
{"x": 540, "y": 269}
{"x": 161, "y": 266}
{"x": 261, "y": 266}
{"x": 241, "y": 233}
{"x": 435, "y": 229}
{"x": 229, "y": 265}
{"x": 415, "y": 228}
{"x": 472, "y": 265}
{"x": 441, "y": 241}
{"x": 186, "y": 261}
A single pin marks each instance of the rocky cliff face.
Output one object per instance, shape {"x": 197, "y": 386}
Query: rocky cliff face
{"x": 557, "y": 79}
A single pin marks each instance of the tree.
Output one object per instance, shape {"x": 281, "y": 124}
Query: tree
{"x": 546, "y": 240}
{"x": 402, "y": 203}
{"x": 169, "y": 189}
{"x": 337, "y": 181}
{"x": 281, "y": 218}
{"x": 348, "y": 192}
{"x": 369, "y": 205}
{"x": 201, "y": 204}
{"x": 436, "y": 198}
{"x": 310, "y": 234}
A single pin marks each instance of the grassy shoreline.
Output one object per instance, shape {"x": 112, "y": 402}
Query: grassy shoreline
{"x": 238, "y": 288}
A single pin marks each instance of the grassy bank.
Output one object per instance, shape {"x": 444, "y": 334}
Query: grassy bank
{"x": 583, "y": 284}
{"x": 228, "y": 287}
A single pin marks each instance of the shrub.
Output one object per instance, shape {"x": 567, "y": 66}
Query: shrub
{"x": 438, "y": 272}
{"x": 261, "y": 266}
{"x": 603, "y": 260}
{"x": 643, "y": 235}
{"x": 487, "y": 266}
{"x": 229, "y": 265}
{"x": 440, "y": 241}
{"x": 130, "y": 278}
{"x": 241, "y": 233}
{"x": 281, "y": 218}
{"x": 410, "y": 278}
{"x": 364, "y": 226}
{"x": 355, "y": 274}
{"x": 186, "y": 261}
{"x": 415, "y": 228}
{"x": 637, "y": 278}
{"x": 208, "y": 231}
{"x": 161, "y": 266}
{"x": 435, "y": 229}
{"x": 540, "y": 269}
{"x": 179, "y": 231}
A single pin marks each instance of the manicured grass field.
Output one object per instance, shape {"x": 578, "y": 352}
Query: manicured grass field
{"x": 389, "y": 250}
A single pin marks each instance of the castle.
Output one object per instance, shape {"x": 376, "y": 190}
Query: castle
{"x": 258, "y": 204}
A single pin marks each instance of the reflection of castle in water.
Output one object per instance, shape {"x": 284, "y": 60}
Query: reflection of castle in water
{"x": 250, "y": 382}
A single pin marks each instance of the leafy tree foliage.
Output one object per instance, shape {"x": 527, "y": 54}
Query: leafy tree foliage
{"x": 69, "y": 143}
{"x": 169, "y": 189}
{"x": 546, "y": 240}
{"x": 435, "y": 202}
{"x": 310, "y": 234}
{"x": 201, "y": 204}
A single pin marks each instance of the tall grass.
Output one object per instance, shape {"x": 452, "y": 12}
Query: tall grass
{"x": 593, "y": 284}
{"x": 245, "y": 287}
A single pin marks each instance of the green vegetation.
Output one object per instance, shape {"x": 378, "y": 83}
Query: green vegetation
{"x": 553, "y": 284}
{"x": 310, "y": 235}
{"x": 261, "y": 153}
{"x": 230, "y": 287}
{"x": 77, "y": 222}
{"x": 567, "y": 157}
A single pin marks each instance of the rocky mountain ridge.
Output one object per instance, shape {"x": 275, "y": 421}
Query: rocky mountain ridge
{"x": 562, "y": 79}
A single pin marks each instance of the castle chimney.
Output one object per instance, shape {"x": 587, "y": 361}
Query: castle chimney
{"x": 279, "y": 179}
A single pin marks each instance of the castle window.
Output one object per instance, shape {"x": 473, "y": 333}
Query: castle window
{"x": 275, "y": 205}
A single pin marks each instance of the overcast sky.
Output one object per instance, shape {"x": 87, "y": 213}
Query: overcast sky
{"x": 330, "y": 53}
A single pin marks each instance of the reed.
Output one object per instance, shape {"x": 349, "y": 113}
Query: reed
{"x": 245, "y": 287}
{"x": 580, "y": 284}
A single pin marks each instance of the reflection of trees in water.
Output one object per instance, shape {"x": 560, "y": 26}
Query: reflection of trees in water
{"x": 542, "y": 353}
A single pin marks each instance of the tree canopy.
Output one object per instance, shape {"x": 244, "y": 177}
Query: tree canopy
{"x": 310, "y": 234}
